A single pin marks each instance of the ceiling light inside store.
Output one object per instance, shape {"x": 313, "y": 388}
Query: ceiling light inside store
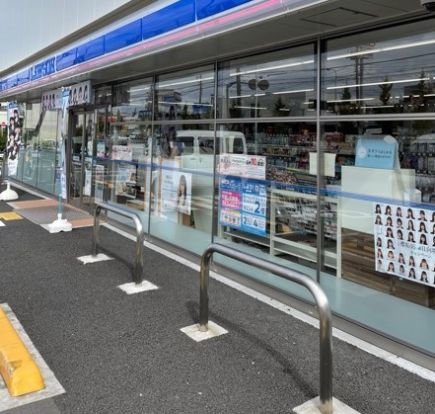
{"x": 247, "y": 96}
{"x": 186, "y": 82}
{"x": 383, "y": 49}
{"x": 426, "y": 95}
{"x": 140, "y": 89}
{"x": 295, "y": 91}
{"x": 287, "y": 65}
{"x": 377, "y": 83}
{"x": 379, "y": 106}
{"x": 251, "y": 107}
{"x": 184, "y": 103}
{"x": 350, "y": 100}
{"x": 241, "y": 96}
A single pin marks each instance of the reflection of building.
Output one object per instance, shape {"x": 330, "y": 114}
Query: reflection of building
{"x": 169, "y": 94}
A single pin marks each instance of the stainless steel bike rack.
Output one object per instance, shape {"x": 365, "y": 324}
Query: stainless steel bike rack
{"x": 304, "y": 280}
{"x": 140, "y": 236}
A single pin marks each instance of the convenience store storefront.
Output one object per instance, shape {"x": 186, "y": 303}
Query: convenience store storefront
{"x": 231, "y": 146}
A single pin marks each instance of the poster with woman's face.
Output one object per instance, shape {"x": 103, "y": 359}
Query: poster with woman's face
{"x": 13, "y": 143}
{"x": 405, "y": 242}
{"x": 183, "y": 189}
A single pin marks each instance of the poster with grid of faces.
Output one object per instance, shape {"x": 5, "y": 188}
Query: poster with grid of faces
{"x": 405, "y": 242}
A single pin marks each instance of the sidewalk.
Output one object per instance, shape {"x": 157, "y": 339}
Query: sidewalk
{"x": 118, "y": 353}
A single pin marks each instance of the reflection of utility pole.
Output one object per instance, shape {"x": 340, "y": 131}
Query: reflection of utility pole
{"x": 335, "y": 81}
{"x": 359, "y": 73}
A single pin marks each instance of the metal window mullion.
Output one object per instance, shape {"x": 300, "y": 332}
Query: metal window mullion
{"x": 215, "y": 192}
{"x": 150, "y": 181}
{"x": 320, "y": 170}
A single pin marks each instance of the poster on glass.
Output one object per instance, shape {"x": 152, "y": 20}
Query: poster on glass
{"x": 405, "y": 242}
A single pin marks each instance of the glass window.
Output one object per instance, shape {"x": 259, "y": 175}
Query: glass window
{"x": 277, "y": 84}
{"x": 384, "y": 186}
{"x": 28, "y": 156}
{"x": 384, "y": 71}
{"x": 124, "y": 154}
{"x": 103, "y": 95}
{"x": 182, "y": 185}
{"x": 185, "y": 95}
{"x": 38, "y": 152}
{"x": 266, "y": 191}
{"x": 47, "y": 151}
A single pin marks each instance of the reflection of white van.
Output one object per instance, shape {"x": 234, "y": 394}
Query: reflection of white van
{"x": 195, "y": 149}
{"x": 201, "y": 142}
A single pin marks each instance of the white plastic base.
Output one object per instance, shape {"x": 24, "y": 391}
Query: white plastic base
{"x": 59, "y": 225}
{"x": 132, "y": 288}
{"x": 8, "y": 194}
{"x": 194, "y": 333}
{"x": 313, "y": 407}
{"x": 2, "y": 224}
{"x": 100, "y": 257}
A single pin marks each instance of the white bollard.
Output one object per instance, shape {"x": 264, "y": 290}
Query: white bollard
{"x": 8, "y": 194}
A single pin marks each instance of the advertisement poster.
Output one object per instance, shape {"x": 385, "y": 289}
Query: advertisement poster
{"x": 61, "y": 139}
{"x": 376, "y": 152}
{"x": 405, "y": 242}
{"x": 99, "y": 182}
{"x": 176, "y": 190}
{"x": 242, "y": 165}
{"x": 243, "y": 204}
{"x": 15, "y": 126}
{"x": 126, "y": 181}
{"x": 122, "y": 153}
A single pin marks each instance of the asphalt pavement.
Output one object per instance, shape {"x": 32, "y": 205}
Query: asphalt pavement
{"x": 118, "y": 353}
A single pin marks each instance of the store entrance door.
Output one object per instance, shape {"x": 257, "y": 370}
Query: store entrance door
{"x": 81, "y": 153}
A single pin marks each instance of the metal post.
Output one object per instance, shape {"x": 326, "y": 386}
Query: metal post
{"x": 203, "y": 292}
{"x": 2, "y": 179}
{"x": 293, "y": 276}
{"x": 95, "y": 233}
{"x": 140, "y": 236}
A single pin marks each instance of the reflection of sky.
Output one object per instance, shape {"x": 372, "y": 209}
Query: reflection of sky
{"x": 407, "y": 61}
{"x": 188, "y": 90}
{"x": 272, "y": 87}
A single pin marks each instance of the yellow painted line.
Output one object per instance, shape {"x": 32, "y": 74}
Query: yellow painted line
{"x": 10, "y": 215}
{"x": 17, "y": 367}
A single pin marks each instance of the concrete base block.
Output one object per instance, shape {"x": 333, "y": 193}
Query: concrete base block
{"x": 8, "y": 194}
{"x": 100, "y": 257}
{"x": 59, "y": 225}
{"x": 313, "y": 407}
{"x": 194, "y": 333}
{"x": 132, "y": 288}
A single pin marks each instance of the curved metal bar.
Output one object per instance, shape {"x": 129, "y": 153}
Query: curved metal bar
{"x": 320, "y": 298}
{"x": 140, "y": 235}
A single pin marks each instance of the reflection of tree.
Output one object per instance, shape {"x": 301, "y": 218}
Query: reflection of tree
{"x": 420, "y": 103}
{"x": 422, "y": 90}
{"x": 185, "y": 113}
{"x": 279, "y": 104}
{"x": 385, "y": 94}
{"x": 345, "y": 107}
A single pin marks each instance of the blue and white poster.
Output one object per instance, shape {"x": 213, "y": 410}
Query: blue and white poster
{"x": 243, "y": 204}
{"x": 377, "y": 153}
